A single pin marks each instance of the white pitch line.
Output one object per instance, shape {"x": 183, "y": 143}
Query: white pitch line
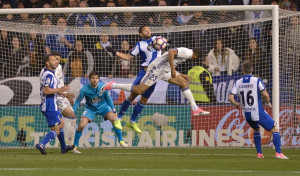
{"x": 147, "y": 170}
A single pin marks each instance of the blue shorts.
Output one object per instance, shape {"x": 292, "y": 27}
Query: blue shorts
{"x": 90, "y": 114}
{"x": 138, "y": 80}
{"x": 53, "y": 117}
{"x": 265, "y": 121}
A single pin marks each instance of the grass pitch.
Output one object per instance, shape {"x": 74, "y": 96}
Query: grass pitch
{"x": 144, "y": 162}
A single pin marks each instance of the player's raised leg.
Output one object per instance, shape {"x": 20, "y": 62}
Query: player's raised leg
{"x": 180, "y": 81}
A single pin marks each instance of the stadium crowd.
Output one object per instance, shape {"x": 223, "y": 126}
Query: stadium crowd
{"x": 22, "y": 53}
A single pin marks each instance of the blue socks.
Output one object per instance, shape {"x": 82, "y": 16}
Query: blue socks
{"x": 125, "y": 105}
{"x": 61, "y": 138}
{"x": 136, "y": 111}
{"x": 49, "y": 136}
{"x": 257, "y": 141}
{"x": 118, "y": 133}
{"x": 277, "y": 142}
{"x": 77, "y": 137}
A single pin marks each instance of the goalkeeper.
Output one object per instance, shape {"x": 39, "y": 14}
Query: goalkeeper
{"x": 97, "y": 102}
{"x": 163, "y": 68}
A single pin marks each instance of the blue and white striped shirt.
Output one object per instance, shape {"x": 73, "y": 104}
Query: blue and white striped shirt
{"x": 48, "y": 79}
{"x": 146, "y": 55}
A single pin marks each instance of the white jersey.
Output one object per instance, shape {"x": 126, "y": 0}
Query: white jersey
{"x": 60, "y": 76}
{"x": 147, "y": 56}
{"x": 162, "y": 62}
{"x": 248, "y": 89}
{"x": 48, "y": 79}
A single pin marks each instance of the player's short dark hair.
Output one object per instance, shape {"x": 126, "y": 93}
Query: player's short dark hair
{"x": 93, "y": 73}
{"x": 141, "y": 28}
{"x": 55, "y": 53}
{"x": 47, "y": 57}
{"x": 197, "y": 52}
{"x": 247, "y": 66}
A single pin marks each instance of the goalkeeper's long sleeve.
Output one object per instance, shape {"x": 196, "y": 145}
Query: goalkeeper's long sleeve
{"x": 78, "y": 100}
{"x": 108, "y": 100}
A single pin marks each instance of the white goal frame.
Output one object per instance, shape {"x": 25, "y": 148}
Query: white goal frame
{"x": 275, "y": 28}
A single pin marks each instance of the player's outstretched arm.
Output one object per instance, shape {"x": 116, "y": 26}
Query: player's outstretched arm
{"x": 108, "y": 100}
{"x": 119, "y": 54}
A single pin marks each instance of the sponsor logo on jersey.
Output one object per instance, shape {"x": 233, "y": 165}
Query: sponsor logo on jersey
{"x": 96, "y": 100}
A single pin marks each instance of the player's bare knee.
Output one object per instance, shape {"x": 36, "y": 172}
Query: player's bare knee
{"x": 184, "y": 85}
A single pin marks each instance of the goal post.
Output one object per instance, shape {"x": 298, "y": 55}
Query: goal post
{"x": 167, "y": 120}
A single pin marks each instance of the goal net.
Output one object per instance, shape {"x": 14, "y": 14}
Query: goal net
{"x": 226, "y": 38}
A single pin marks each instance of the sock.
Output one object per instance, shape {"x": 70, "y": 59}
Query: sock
{"x": 257, "y": 141}
{"x": 49, "y": 136}
{"x": 70, "y": 125}
{"x": 61, "y": 138}
{"x": 136, "y": 112}
{"x": 277, "y": 142}
{"x": 77, "y": 137}
{"x": 126, "y": 87}
{"x": 189, "y": 96}
{"x": 119, "y": 134}
{"x": 125, "y": 105}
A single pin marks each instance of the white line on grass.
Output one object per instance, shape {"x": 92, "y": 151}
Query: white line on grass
{"x": 153, "y": 170}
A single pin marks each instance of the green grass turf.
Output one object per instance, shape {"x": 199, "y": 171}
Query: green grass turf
{"x": 144, "y": 162}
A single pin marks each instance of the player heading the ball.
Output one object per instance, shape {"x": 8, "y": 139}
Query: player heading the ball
{"x": 163, "y": 68}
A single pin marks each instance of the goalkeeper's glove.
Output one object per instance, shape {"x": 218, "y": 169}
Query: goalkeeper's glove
{"x": 110, "y": 49}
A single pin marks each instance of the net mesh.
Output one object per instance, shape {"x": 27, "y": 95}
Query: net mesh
{"x": 166, "y": 121}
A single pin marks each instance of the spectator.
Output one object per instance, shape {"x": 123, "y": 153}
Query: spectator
{"x": 14, "y": 58}
{"x": 184, "y": 17}
{"x": 257, "y": 57}
{"x": 35, "y": 49}
{"x": 235, "y": 38}
{"x": 81, "y": 18}
{"x": 103, "y": 60}
{"x": 288, "y": 5}
{"x": 88, "y": 40}
{"x": 58, "y": 4}
{"x": 72, "y": 3}
{"x": 256, "y": 29}
{"x": 197, "y": 16}
{"x": 101, "y": 3}
{"x": 80, "y": 62}
{"x": 156, "y": 19}
{"x": 8, "y": 17}
{"x": 34, "y": 3}
{"x": 128, "y": 19}
{"x": 60, "y": 42}
{"x": 115, "y": 38}
{"x": 107, "y": 18}
{"x": 122, "y": 3}
{"x": 4, "y": 41}
{"x": 203, "y": 38}
{"x": 124, "y": 68}
{"x": 222, "y": 60}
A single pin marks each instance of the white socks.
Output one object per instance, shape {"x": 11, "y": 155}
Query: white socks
{"x": 70, "y": 127}
{"x": 126, "y": 87}
{"x": 189, "y": 96}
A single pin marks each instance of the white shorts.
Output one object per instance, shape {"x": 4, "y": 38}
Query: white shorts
{"x": 153, "y": 76}
{"x": 63, "y": 103}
